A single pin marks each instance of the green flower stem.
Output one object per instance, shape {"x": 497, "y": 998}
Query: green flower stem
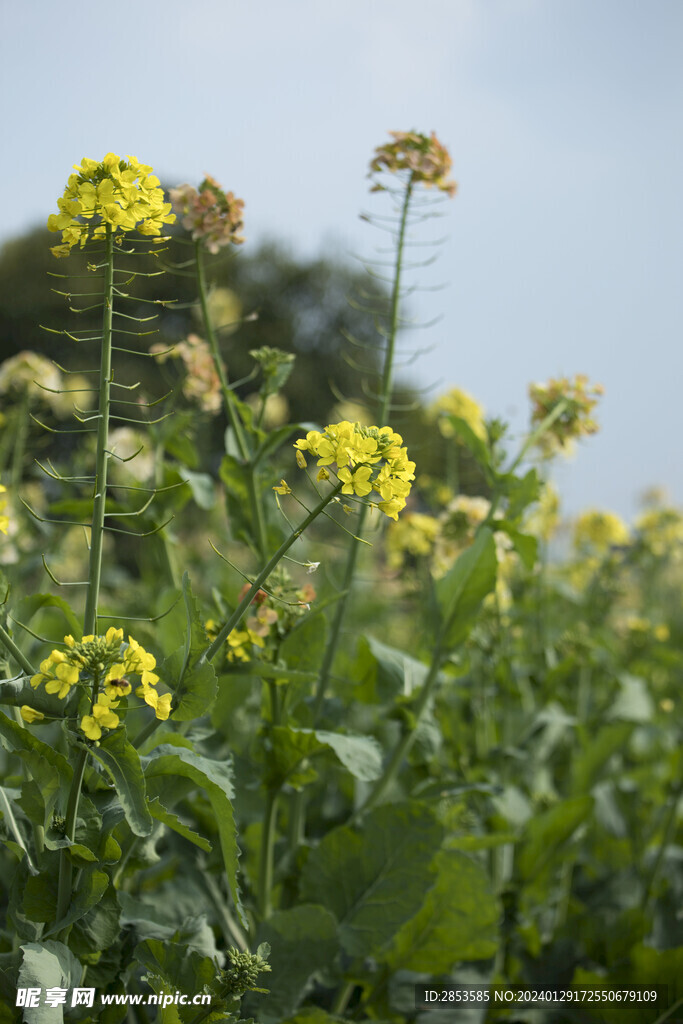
{"x": 20, "y": 442}
{"x": 387, "y": 387}
{"x": 265, "y": 877}
{"x": 531, "y": 440}
{"x": 64, "y": 890}
{"x": 18, "y": 655}
{"x": 236, "y": 617}
{"x": 102, "y": 457}
{"x": 234, "y": 620}
{"x": 228, "y": 399}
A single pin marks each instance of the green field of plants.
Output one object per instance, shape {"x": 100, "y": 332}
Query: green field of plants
{"x": 312, "y": 698}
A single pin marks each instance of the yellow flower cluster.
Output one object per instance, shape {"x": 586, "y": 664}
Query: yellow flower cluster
{"x": 426, "y": 159}
{"x": 575, "y": 419}
{"x": 105, "y": 661}
{"x": 122, "y": 194}
{"x": 458, "y": 403}
{"x": 599, "y": 531}
{"x": 356, "y": 452}
{"x": 661, "y": 529}
{"x": 212, "y": 215}
{"x": 415, "y": 536}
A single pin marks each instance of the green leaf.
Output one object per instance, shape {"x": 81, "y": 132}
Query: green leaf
{"x": 521, "y": 492}
{"x": 547, "y": 833}
{"x": 40, "y": 897}
{"x": 20, "y": 739}
{"x": 361, "y": 755}
{"x": 235, "y": 476}
{"x": 122, "y": 763}
{"x": 471, "y": 441}
{"x": 461, "y": 592}
{"x": 457, "y": 921}
{"x": 600, "y": 747}
{"x": 194, "y": 679}
{"x": 374, "y": 880}
{"x": 28, "y": 606}
{"x": 177, "y": 965}
{"x": 633, "y": 702}
{"x": 46, "y": 965}
{"x": 201, "y": 485}
{"x": 386, "y": 673}
{"x": 302, "y": 648}
{"x": 158, "y": 811}
{"x": 524, "y": 544}
{"x": 303, "y": 940}
{"x": 100, "y": 928}
{"x": 215, "y": 778}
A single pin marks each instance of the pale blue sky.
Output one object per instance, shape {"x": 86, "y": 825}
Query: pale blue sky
{"x": 563, "y": 118}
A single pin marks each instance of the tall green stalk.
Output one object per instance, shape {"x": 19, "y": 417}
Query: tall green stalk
{"x": 95, "y": 564}
{"x": 102, "y": 456}
{"x": 229, "y": 402}
{"x": 383, "y": 411}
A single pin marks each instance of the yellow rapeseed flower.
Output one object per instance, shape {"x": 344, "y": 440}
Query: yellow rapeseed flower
{"x": 598, "y": 531}
{"x": 354, "y": 453}
{"x": 461, "y": 404}
{"x": 124, "y": 195}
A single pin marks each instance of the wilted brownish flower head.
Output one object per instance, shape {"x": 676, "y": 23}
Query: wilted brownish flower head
{"x": 423, "y": 156}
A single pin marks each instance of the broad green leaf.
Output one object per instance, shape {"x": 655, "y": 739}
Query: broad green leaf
{"x": 28, "y": 606}
{"x": 46, "y": 965}
{"x": 158, "y": 811}
{"x": 100, "y": 927}
{"x": 547, "y": 833}
{"x": 601, "y": 746}
{"x": 385, "y": 673}
{"x": 291, "y": 748}
{"x": 122, "y": 763}
{"x": 633, "y": 702}
{"x": 194, "y": 680}
{"x": 40, "y": 896}
{"x": 20, "y": 739}
{"x": 376, "y": 879}
{"x": 303, "y": 940}
{"x": 457, "y": 921}
{"x": 18, "y": 691}
{"x": 215, "y": 778}
{"x": 461, "y": 592}
{"x": 201, "y": 485}
{"x": 303, "y": 647}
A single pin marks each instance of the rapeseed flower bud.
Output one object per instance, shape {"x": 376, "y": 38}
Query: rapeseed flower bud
{"x": 354, "y": 453}
{"x": 575, "y": 419}
{"x": 213, "y": 216}
{"x": 425, "y": 158}
{"x": 123, "y": 195}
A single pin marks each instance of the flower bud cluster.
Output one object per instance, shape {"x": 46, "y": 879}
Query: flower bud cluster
{"x": 575, "y": 419}
{"x": 213, "y": 216}
{"x": 354, "y": 453}
{"x": 107, "y": 661}
{"x": 121, "y": 194}
{"x": 427, "y": 160}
